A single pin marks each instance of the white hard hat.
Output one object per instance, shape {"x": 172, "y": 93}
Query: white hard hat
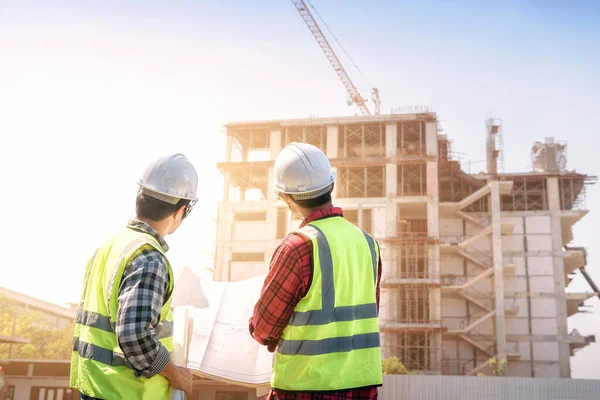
{"x": 303, "y": 171}
{"x": 170, "y": 179}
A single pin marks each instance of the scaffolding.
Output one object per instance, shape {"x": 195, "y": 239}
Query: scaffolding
{"x": 572, "y": 190}
{"x": 418, "y": 351}
{"x": 315, "y": 135}
{"x": 360, "y": 182}
{"x": 409, "y": 327}
{"x": 412, "y": 179}
{"x": 411, "y": 138}
{"x": 529, "y": 194}
{"x": 361, "y": 140}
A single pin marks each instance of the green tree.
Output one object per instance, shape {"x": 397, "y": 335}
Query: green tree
{"x": 48, "y": 341}
{"x": 393, "y": 366}
{"x": 498, "y": 368}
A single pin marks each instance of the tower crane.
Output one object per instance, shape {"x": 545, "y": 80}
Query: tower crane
{"x": 355, "y": 96}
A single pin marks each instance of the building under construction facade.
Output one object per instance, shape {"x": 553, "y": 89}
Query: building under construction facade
{"x": 474, "y": 266}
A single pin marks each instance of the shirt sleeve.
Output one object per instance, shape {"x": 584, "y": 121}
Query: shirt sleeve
{"x": 284, "y": 287}
{"x": 141, "y": 298}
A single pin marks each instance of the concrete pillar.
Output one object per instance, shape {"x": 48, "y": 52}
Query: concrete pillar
{"x": 391, "y": 140}
{"x": 228, "y": 149}
{"x": 389, "y": 296}
{"x": 498, "y": 268}
{"x": 218, "y": 274}
{"x": 431, "y": 138}
{"x": 275, "y": 143}
{"x": 433, "y": 200}
{"x": 332, "y": 150}
{"x": 360, "y": 217}
{"x": 433, "y": 231}
{"x": 224, "y": 235}
{"x": 559, "y": 276}
{"x": 332, "y": 142}
{"x": 226, "y": 182}
{"x": 433, "y": 256}
{"x": 226, "y": 186}
{"x": 271, "y": 196}
{"x": 271, "y": 233}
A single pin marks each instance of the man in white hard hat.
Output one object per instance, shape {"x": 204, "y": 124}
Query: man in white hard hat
{"x": 124, "y": 326}
{"x": 319, "y": 305}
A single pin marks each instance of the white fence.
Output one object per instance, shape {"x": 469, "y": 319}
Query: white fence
{"x": 413, "y": 387}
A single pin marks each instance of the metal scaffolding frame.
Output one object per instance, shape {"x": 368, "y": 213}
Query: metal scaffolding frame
{"x": 529, "y": 194}
{"x": 418, "y": 351}
{"x": 412, "y": 179}
{"x": 572, "y": 191}
{"x": 315, "y": 135}
{"x": 411, "y": 138}
{"x": 361, "y": 140}
{"x": 360, "y": 182}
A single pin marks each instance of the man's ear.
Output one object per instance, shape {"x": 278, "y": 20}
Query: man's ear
{"x": 288, "y": 199}
{"x": 180, "y": 212}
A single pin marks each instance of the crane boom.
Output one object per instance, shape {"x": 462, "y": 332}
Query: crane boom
{"x": 335, "y": 62}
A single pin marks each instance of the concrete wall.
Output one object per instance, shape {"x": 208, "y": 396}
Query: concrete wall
{"x": 424, "y": 387}
{"x": 249, "y": 230}
{"x": 533, "y": 318}
{"x": 241, "y": 270}
{"x": 24, "y": 385}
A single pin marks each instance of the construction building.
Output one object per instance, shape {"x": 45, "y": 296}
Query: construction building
{"x": 474, "y": 266}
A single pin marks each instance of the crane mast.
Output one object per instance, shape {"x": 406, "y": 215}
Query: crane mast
{"x": 355, "y": 96}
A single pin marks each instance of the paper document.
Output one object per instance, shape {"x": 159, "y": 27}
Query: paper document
{"x": 221, "y": 347}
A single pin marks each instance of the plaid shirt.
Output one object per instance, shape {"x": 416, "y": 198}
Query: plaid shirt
{"x": 142, "y": 294}
{"x": 286, "y": 284}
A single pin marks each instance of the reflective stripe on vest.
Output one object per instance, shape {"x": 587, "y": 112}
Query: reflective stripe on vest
{"x": 102, "y": 355}
{"x": 98, "y": 321}
{"x": 98, "y": 366}
{"x": 330, "y": 313}
{"x": 332, "y": 339}
{"x": 331, "y": 345}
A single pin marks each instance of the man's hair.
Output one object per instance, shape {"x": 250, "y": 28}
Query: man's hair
{"x": 148, "y": 207}
{"x": 316, "y": 202}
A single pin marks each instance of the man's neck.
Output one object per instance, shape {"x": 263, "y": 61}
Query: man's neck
{"x": 159, "y": 226}
{"x": 307, "y": 211}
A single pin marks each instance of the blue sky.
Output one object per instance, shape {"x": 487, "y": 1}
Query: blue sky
{"x": 89, "y": 91}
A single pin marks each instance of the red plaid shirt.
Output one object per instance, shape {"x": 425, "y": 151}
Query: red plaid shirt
{"x": 286, "y": 284}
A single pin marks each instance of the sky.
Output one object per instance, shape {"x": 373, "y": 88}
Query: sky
{"x": 91, "y": 91}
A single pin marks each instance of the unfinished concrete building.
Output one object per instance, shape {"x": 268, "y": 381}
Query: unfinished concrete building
{"x": 474, "y": 266}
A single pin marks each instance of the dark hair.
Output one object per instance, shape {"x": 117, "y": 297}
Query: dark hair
{"x": 316, "y": 202}
{"x": 148, "y": 207}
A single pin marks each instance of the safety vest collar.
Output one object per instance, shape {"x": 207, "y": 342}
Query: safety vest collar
{"x": 145, "y": 228}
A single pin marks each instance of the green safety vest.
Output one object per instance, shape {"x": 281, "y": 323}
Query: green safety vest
{"x": 98, "y": 366}
{"x": 332, "y": 339}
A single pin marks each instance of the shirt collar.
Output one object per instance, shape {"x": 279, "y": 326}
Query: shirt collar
{"x": 144, "y": 227}
{"x": 320, "y": 214}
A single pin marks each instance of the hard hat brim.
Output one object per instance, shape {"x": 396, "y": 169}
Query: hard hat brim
{"x": 308, "y": 194}
{"x": 167, "y": 198}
